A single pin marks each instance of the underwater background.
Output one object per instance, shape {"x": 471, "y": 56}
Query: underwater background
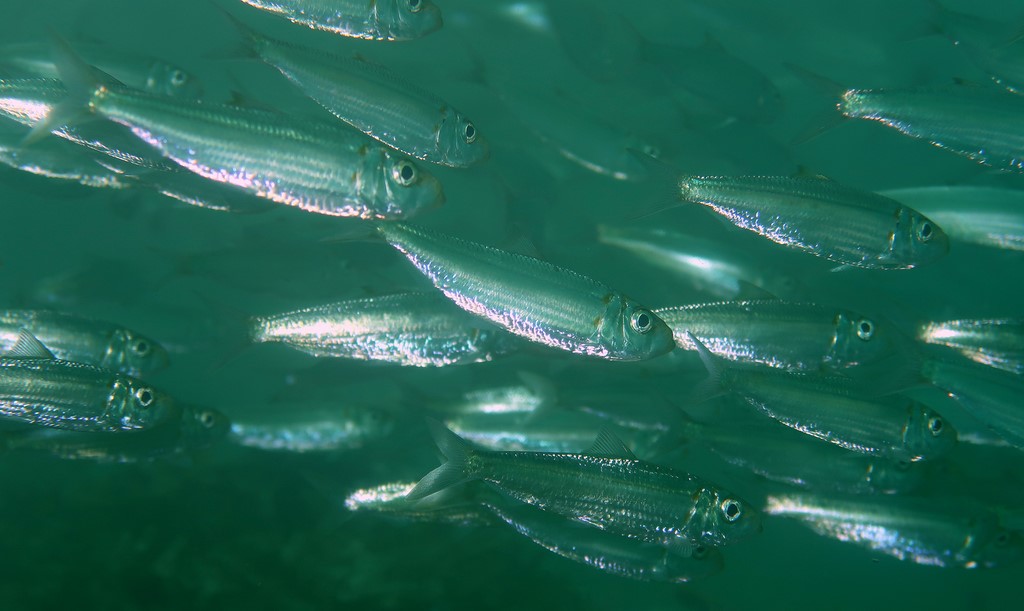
{"x": 229, "y": 527}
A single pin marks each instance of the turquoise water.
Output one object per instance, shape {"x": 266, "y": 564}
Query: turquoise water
{"x": 229, "y": 527}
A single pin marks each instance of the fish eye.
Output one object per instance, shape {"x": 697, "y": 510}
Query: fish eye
{"x": 865, "y": 329}
{"x": 141, "y": 347}
{"x": 902, "y": 465}
{"x": 700, "y": 551}
{"x": 641, "y": 322}
{"x": 207, "y": 419}
{"x": 731, "y": 509}
{"x": 415, "y": 5}
{"x": 405, "y": 173}
{"x": 925, "y": 231}
{"x": 651, "y": 150}
{"x": 178, "y": 78}
{"x": 144, "y": 397}
{"x": 935, "y": 425}
{"x": 470, "y": 133}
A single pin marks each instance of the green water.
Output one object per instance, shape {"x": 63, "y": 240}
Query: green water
{"x": 231, "y": 528}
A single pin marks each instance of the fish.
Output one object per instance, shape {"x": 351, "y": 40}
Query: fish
{"x": 38, "y": 389}
{"x": 985, "y": 216}
{"x": 198, "y": 428}
{"x": 705, "y": 263}
{"x": 533, "y": 299}
{"x": 821, "y": 217}
{"x": 835, "y": 409}
{"x": 606, "y": 487}
{"x": 779, "y": 454}
{"x": 609, "y": 553}
{"x": 133, "y": 69}
{"x": 390, "y": 20}
{"x": 991, "y": 395}
{"x": 61, "y": 161}
{"x": 310, "y": 427}
{"x": 307, "y": 164}
{"x": 83, "y": 340}
{"x": 983, "y": 124}
{"x": 413, "y": 329}
{"x": 798, "y": 336}
{"x": 996, "y": 342}
{"x": 377, "y": 101}
{"x": 939, "y": 532}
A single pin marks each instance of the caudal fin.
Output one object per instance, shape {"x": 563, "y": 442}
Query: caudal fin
{"x": 80, "y": 79}
{"x": 456, "y": 450}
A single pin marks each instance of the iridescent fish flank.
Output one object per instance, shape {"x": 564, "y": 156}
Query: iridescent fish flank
{"x": 369, "y": 20}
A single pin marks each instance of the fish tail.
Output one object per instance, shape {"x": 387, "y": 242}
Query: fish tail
{"x": 455, "y": 469}
{"x": 250, "y": 38}
{"x": 81, "y": 81}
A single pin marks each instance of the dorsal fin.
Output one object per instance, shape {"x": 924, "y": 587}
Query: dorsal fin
{"x": 609, "y": 445}
{"x": 28, "y": 347}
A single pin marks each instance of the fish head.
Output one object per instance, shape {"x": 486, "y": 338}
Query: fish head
{"x": 142, "y": 406}
{"x": 894, "y": 476}
{"x": 201, "y": 426}
{"x": 916, "y": 239}
{"x": 869, "y": 345}
{"x": 702, "y": 561}
{"x": 460, "y": 142}
{"x": 170, "y": 80}
{"x": 638, "y": 332}
{"x": 134, "y": 353}
{"x": 1001, "y": 548}
{"x": 410, "y": 19}
{"x": 410, "y": 187}
{"x": 927, "y": 433}
{"x": 721, "y": 517}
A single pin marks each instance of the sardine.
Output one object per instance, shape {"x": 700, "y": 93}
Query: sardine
{"x": 532, "y": 298}
{"x": 996, "y": 342}
{"x": 990, "y": 395}
{"x": 606, "y": 487}
{"x": 417, "y": 329}
{"x": 930, "y": 531}
{"x": 82, "y": 340}
{"x": 310, "y": 427}
{"x": 821, "y": 217}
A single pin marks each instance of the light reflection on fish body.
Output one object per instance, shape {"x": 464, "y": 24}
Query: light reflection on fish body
{"x": 996, "y": 342}
{"x": 414, "y": 329}
{"x": 939, "y": 532}
{"x": 379, "y": 20}
{"x": 991, "y": 395}
{"x": 310, "y": 427}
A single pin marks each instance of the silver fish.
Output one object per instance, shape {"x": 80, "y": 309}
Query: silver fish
{"x": 458, "y": 504}
{"x": 36, "y": 388}
{"x": 134, "y": 70}
{"x": 837, "y": 410}
{"x": 310, "y": 427}
{"x": 996, "y": 342}
{"x": 378, "y": 102}
{"x": 929, "y": 531}
{"x": 82, "y": 340}
{"x": 982, "y": 124}
{"x": 532, "y": 298}
{"x": 990, "y": 395}
{"x": 821, "y": 217}
{"x": 378, "y": 20}
{"x": 797, "y": 336}
{"x": 417, "y": 329}
{"x": 604, "y": 551}
{"x": 986, "y": 216}
{"x": 606, "y": 487}
{"x": 705, "y": 263}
